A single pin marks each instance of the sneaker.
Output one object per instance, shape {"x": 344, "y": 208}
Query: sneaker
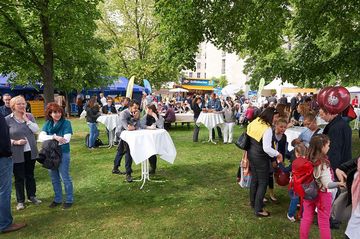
{"x": 20, "y": 206}
{"x": 54, "y": 204}
{"x": 67, "y": 205}
{"x": 129, "y": 179}
{"x": 117, "y": 171}
{"x": 34, "y": 200}
{"x": 291, "y": 219}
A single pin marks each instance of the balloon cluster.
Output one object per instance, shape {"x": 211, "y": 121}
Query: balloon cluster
{"x": 334, "y": 99}
{"x": 281, "y": 178}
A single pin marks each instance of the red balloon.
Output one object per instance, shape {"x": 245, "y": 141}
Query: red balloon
{"x": 336, "y": 100}
{"x": 321, "y": 96}
{"x": 281, "y": 178}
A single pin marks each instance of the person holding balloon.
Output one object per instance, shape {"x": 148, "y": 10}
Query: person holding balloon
{"x": 333, "y": 101}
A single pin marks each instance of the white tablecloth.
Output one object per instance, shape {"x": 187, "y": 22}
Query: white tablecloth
{"x": 210, "y": 120}
{"x": 182, "y": 117}
{"x": 145, "y": 143}
{"x": 185, "y": 117}
{"x": 110, "y": 121}
{"x": 293, "y": 133}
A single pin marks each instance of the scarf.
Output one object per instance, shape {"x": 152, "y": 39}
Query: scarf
{"x": 50, "y": 128}
{"x": 355, "y": 188}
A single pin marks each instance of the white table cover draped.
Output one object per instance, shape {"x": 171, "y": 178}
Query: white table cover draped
{"x": 210, "y": 120}
{"x": 145, "y": 143}
{"x": 110, "y": 121}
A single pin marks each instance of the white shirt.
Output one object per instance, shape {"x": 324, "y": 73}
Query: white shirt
{"x": 267, "y": 138}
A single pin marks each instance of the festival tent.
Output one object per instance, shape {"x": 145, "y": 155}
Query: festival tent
{"x": 284, "y": 88}
{"x": 353, "y": 89}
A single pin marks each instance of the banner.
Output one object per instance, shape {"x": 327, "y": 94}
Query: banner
{"x": 130, "y": 86}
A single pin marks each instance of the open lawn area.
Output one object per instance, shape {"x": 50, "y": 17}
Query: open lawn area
{"x": 199, "y": 198}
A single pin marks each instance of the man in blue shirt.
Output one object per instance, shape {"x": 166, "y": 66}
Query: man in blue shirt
{"x": 215, "y": 105}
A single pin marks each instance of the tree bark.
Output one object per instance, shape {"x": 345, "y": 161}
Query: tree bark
{"x": 48, "y": 67}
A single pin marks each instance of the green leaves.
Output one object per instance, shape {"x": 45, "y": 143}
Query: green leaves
{"x": 310, "y": 43}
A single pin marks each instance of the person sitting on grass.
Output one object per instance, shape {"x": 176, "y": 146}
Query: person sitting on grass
{"x": 152, "y": 120}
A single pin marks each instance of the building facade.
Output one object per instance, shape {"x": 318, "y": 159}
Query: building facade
{"x": 212, "y": 62}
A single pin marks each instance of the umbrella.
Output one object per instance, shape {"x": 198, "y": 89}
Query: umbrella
{"x": 178, "y": 90}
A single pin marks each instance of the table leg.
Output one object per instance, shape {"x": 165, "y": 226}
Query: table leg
{"x": 111, "y": 138}
{"x": 144, "y": 173}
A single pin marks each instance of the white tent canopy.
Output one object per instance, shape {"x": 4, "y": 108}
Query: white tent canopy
{"x": 353, "y": 89}
{"x": 277, "y": 84}
{"x": 178, "y": 90}
{"x": 230, "y": 90}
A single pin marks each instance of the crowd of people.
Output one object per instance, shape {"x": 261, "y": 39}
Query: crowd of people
{"x": 18, "y": 154}
{"x": 329, "y": 150}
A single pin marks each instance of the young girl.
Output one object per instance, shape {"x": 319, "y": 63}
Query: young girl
{"x": 229, "y": 115}
{"x": 279, "y": 144}
{"x": 319, "y": 146}
{"x": 300, "y": 153}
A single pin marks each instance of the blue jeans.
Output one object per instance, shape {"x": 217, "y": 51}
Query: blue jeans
{"x": 293, "y": 203}
{"x": 62, "y": 174}
{"x": 94, "y": 134}
{"x": 6, "y": 169}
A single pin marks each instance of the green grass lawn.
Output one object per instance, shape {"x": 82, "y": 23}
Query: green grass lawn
{"x": 199, "y": 198}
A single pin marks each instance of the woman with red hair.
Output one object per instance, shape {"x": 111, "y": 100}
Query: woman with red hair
{"x": 58, "y": 128}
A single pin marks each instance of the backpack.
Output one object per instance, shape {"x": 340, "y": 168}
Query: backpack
{"x": 98, "y": 141}
{"x": 303, "y": 182}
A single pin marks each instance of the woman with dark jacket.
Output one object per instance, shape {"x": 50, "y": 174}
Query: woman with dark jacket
{"x": 152, "y": 120}
{"x": 109, "y": 108}
{"x": 92, "y": 113}
{"x": 22, "y": 128}
{"x": 58, "y": 128}
{"x": 260, "y": 154}
{"x": 197, "y": 106}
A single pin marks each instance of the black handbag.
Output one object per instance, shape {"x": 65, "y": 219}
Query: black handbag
{"x": 243, "y": 141}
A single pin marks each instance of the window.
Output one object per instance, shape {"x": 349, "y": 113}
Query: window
{"x": 223, "y": 63}
{"x": 190, "y": 74}
{"x": 198, "y": 75}
{"x": 205, "y": 66}
{"x": 198, "y": 65}
{"x": 205, "y": 75}
{"x": 223, "y": 53}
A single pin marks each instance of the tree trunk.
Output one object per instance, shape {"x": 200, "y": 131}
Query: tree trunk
{"x": 48, "y": 67}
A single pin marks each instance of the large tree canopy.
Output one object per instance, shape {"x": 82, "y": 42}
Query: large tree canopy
{"x": 133, "y": 30}
{"x": 51, "y": 41}
{"x": 305, "y": 42}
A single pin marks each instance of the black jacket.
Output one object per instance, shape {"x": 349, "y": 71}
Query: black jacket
{"x": 105, "y": 109}
{"x": 5, "y": 143}
{"x": 350, "y": 168}
{"x": 92, "y": 114}
{"x": 50, "y": 154}
{"x": 197, "y": 110}
{"x": 340, "y": 135}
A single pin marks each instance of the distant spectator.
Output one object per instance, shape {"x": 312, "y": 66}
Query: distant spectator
{"x": 103, "y": 100}
{"x": 5, "y": 110}
{"x": 355, "y": 102}
{"x": 169, "y": 116}
{"x": 283, "y": 100}
{"x": 109, "y": 108}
